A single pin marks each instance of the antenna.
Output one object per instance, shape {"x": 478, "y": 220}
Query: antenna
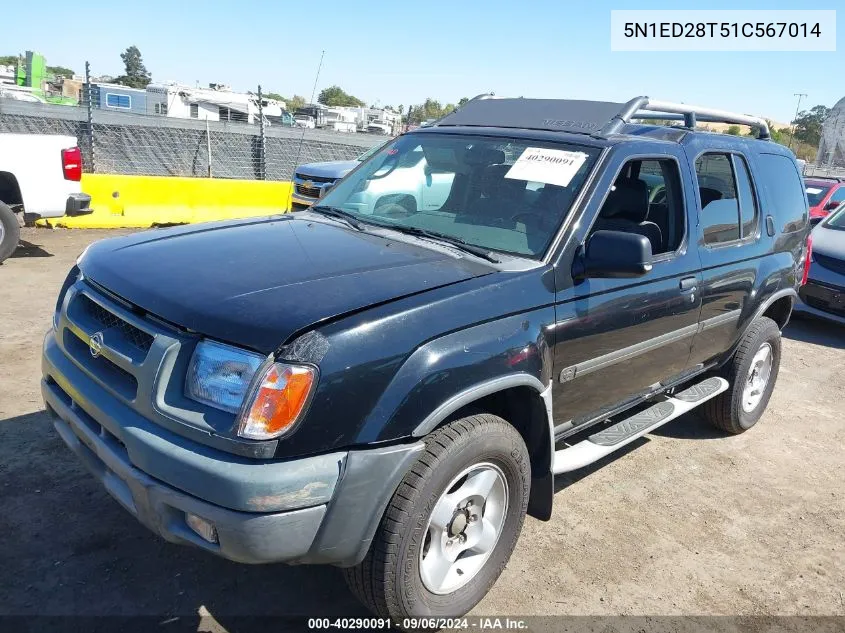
{"x": 302, "y": 136}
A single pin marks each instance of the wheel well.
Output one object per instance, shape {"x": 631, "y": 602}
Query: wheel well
{"x": 10, "y": 192}
{"x": 779, "y": 311}
{"x": 526, "y": 411}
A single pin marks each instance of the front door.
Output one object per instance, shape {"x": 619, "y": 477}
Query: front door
{"x": 617, "y": 339}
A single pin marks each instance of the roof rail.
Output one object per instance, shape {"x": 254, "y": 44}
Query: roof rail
{"x": 654, "y": 109}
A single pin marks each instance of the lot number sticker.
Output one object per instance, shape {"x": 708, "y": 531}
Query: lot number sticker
{"x": 813, "y": 190}
{"x": 549, "y": 166}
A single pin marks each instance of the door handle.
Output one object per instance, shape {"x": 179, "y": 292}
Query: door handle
{"x": 688, "y": 283}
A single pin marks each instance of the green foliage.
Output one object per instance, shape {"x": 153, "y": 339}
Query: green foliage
{"x": 60, "y": 71}
{"x": 292, "y": 104}
{"x": 137, "y": 75}
{"x": 8, "y": 60}
{"x": 430, "y": 109}
{"x": 733, "y": 130}
{"x": 335, "y": 96}
{"x": 462, "y": 101}
{"x": 808, "y": 124}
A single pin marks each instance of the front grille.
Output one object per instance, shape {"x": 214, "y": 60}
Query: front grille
{"x": 823, "y": 298}
{"x": 319, "y": 179}
{"x": 831, "y": 263}
{"x": 117, "y": 378}
{"x": 135, "y": 337}
{"x": 308, "y": 192}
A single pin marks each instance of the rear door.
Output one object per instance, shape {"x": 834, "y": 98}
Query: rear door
{"x": 618, "y": 339}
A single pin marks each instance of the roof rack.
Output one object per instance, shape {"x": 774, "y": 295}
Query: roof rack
{"x": 597, "y": 118}
{"x": 691, "y": 114}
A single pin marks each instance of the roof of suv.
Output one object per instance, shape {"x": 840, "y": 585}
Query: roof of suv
{"x": 596, "y": 123}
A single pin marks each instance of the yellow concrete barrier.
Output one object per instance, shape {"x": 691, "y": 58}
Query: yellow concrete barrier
{"x": 141, "y": 201}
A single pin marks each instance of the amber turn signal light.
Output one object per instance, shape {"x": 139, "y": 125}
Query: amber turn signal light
{"x": 277, "y": 401}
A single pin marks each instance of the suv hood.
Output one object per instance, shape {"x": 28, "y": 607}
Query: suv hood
{"x": 331, "y": 169}
{"x": 256, "y": 283}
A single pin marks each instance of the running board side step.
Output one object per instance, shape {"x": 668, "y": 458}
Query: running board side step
{"x": 624, "y": 432}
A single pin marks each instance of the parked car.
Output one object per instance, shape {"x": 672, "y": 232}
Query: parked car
{"x": 399, "y": 390}
{"x": 39, "y": 178}
{"x": 823, "y": 294}
{"x": 310, "y": 179}
{"x": 824, "y": 195}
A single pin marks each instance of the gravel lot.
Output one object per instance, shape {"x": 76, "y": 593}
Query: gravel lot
{"x": 685, "y": 522}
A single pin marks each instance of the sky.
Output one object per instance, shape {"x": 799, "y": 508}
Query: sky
{"x": 394, "y": 53}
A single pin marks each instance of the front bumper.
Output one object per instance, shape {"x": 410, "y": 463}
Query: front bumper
{"x": 823, "y": 300}
{"x": 325, "y": 509}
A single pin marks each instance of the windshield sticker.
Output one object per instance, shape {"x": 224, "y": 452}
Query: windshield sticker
{"x": 549, "y": 166}
{"x": 813, "y": 190}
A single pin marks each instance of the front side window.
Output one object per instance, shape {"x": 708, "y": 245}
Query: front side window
{"x": 646, "y": 199}
{"x": 502, "y": 194}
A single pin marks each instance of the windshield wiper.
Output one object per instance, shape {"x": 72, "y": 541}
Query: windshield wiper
{"x": 457, "y": 242}
{"x": 340, "y": 214}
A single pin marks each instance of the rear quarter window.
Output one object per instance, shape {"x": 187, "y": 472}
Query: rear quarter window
{"x": 787, "y": 200}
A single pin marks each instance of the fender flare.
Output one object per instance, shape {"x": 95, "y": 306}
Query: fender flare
{"x": 780, "y": 294}
{"x": 542, "y": 486}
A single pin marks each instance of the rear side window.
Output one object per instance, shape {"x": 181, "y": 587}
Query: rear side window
{"x": 748, "y": 210}
{"x": 719, "y": 205}
{"x": 779, "y": 175}
{"x": 729, "y": 208}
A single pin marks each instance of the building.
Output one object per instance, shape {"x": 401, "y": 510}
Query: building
{"x": 215, "y": 103}
{"x": 117, "y": 98}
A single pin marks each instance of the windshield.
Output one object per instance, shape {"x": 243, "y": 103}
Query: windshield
{"x": 371, "y": 151}
{"x": 836, "y": 220}
{"x": 816, "y": 193}
{"x": 501, "y": 194}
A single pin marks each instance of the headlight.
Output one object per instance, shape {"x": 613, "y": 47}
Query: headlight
{"x": 277, "y": 401}
{"x": 220, "y": 375}
{"x": 72, "y": 277}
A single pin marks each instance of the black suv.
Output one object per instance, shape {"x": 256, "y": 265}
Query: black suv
{"x": 390, "y": 383}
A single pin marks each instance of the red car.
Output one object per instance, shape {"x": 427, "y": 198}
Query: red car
{"x": 824, "y": 195}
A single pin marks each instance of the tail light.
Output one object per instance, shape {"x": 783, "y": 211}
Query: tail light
{"x": 72, "y": 163}
{"x": 808, "y": 256}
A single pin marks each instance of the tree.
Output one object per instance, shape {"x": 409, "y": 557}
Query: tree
{"x": 137, "y": 75}
{"x": 808, "y": 125}
{"x": 60, "y": 71}
{"x": 462, "y": 102}
{"x": 733, "y": 130}
{"x": 335, "y": 96}
{"x": 8, "y": 60}
{"x": 292, "y": 104}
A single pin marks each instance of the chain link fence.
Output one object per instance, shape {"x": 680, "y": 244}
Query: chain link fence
{"x": 138, "y": 144}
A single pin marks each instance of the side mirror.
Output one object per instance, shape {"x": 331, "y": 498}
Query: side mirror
{"x": 326, "y": 188}
{"x": 830, "y": 206}
{"x": 613, "y": 254}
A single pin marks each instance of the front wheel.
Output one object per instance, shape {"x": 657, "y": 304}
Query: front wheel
{"x": 752, "y": 373}
{"x": 452, "y": 524}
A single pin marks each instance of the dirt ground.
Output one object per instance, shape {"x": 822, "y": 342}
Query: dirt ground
{"x": 685, "y": 522}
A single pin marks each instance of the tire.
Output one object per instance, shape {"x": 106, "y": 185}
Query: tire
{"x": 389, "y": 581}
{"x": 728, "y": 411}
{"x": 10, "y": 232}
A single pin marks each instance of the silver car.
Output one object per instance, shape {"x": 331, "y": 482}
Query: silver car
{"x": 824, "y": 293}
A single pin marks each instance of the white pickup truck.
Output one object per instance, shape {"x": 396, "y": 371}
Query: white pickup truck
{"x": 39, "y": 178}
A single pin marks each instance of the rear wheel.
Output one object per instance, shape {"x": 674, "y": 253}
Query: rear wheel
{"x": 452, "y": 524}
{"x": 10, "y": 232}
{"x": 752, "y": 373}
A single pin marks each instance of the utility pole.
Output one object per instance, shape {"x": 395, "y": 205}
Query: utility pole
{"x": 90, "y": 130}
{"x": 800, "y": 96}
{"x": 262, "y": 148}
